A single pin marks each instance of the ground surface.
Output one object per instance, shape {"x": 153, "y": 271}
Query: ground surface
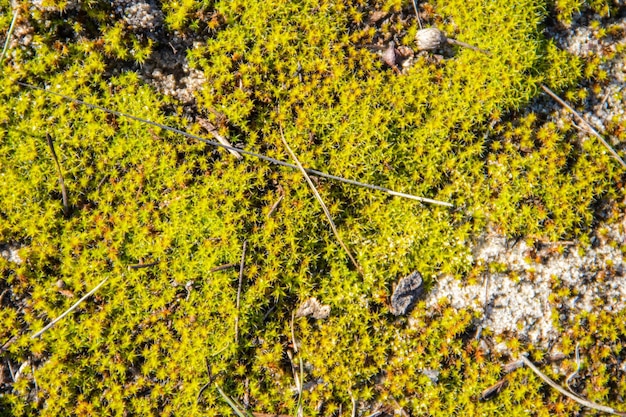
{"x": 530, "y": 259}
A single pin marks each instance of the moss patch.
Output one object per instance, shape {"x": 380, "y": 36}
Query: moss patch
{"x": 153, "y": 337}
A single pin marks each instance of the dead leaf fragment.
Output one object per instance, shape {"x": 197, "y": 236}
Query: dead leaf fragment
{"x": 406, "y": 293}
{"x": 313, "y": 308}
{"x": 376, "y": 15}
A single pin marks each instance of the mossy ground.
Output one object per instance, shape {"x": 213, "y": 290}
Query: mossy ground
{"x": 151, "y": 338}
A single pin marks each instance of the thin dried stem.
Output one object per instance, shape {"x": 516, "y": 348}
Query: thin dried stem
{"x": 293, "y": 333}
{"x": 140, "y": 265}
{"x": 205, "y": 386}
{"x": 270, "y": 415}
{"x": 9, "y": 34}
{"x": 575, "y": 373}
{"x": 69, "y": 310}
{"x": 319, "y": 199}
{"x": 467, "y": 45}
{"x": 8, "y": 343}
{"x": 353, "y": 405}
{"x": 241, "y": 265}
{"x": 585, "y": 123}
{"x": 417, "y": 13}
{"x": 11, "y": 371}
{"x": 275, "y": 205}
{"x": 299, "y": 380}
{"x": 242, "y": 151}
{"x": 512, "y": 366}
{"x": 234, "y": 404}
{"x": 222, "y": 267}
{"x": 208, "y": 126}
{"x": 20, "y": 370}
{"x": 66, "y": 205}
{"x": 300, "y": 411}
{"x": 582, "y": 401}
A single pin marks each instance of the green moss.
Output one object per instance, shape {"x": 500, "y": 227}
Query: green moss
{"x": 565, "y": 10}
{"x": 149, "y": 340}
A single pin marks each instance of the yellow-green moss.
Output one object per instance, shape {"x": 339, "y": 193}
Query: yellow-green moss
{"x": 153, "y": 337}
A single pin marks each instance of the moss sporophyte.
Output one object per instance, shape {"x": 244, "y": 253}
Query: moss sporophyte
{"x": 161, "y": 217}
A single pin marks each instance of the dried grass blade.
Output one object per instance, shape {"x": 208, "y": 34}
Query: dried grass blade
{"x": 69, "y": 310}
{"x": 241, "y": 265}
{"x": 221, "y": 139}
{"x": 417, "y": 13}
{"x": 237, "y": 408}
{"x": 9, "y": 34}
{"x": 222, "y": 267}
{"x": 582, "y": 401}
{"x": 66, "y": 204}
{"x": 319, "y": 199}
{"x": 467, "y": 45}
{"x": 232, "y": 148}
{"x": 299, "y": 380}
{"x": 275, "y": 205}
{"x": 585, "y": 123}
